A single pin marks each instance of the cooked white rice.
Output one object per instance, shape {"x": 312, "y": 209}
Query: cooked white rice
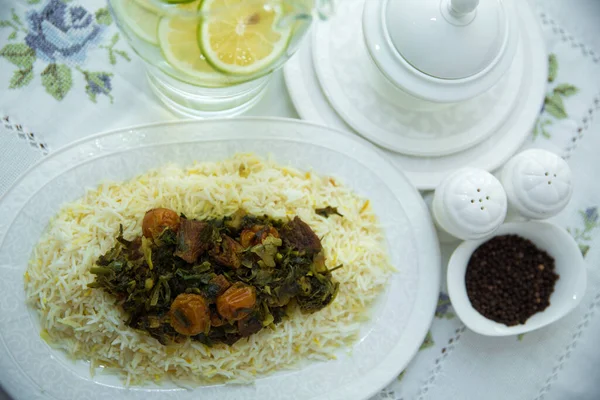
{"x": 87, "y": 324}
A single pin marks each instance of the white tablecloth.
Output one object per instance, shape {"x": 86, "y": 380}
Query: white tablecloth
{"x": 59, "y": 91}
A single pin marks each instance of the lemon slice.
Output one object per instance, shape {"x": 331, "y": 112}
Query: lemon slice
{"x": 139, "y": 17}
{"x": 178, "y": 41}
{"x": 241, "y": 37}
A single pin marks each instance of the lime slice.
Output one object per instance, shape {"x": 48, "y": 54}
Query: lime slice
{"x": 139, "y": 17}
{"x": 177, "y": 38}
{"x": 241, "y": 37}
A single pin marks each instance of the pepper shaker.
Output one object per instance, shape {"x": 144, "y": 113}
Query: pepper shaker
{"x": 469, "y": 204}
{"x": 538, "y": 184}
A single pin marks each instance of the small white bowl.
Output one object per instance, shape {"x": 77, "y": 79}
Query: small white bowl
{"x": 568, "y": 290}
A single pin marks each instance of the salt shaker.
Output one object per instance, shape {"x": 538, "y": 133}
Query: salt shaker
{"x": 469, "y": 204}
{"x": 538, "y": 184}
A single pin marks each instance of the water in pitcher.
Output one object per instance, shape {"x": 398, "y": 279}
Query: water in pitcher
{"x": 212, "y": 57}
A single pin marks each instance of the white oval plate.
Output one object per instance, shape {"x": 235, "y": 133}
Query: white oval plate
{"x": 30, "y": 369}
{"x": 348, "y": 78}
{"x": 427, "y": 172}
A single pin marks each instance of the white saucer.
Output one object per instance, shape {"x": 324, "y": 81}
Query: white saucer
{"x": 426, "y": 172}
{"x": 389, "y": 117}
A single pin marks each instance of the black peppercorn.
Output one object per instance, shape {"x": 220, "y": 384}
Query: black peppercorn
{"x": 509, "y": 279}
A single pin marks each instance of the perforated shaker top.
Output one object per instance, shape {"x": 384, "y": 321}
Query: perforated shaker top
{"x": 474, "y": 203}
{"x": 538, "y": 183}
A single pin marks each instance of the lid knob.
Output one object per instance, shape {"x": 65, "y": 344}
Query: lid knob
{"x": 463, "y": 7}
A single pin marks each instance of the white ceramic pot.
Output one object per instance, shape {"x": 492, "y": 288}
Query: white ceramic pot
{"x": 441, "y": 50}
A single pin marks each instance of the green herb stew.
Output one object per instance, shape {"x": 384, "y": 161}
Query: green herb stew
{"x": 216, "y": 280}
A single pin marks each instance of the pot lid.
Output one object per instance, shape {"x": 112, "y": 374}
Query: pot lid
{"x": 465, "y": 44}
{"x": 452, "y": 39}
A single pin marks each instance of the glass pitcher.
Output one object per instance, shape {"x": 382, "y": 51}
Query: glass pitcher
{"x": 209, "y": 58}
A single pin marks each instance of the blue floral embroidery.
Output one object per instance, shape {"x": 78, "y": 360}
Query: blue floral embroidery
{"x": 553, "y": 109}
{"x": 105, "y": 87}
{"x": 97, "y": 83}
{"x": 444, "y": 307}
{"x": 62, "y": 32}
{"x": 584, "y": 235}
{"x": 54, "y": 41}
{"x": 591, "y": 215}
{"x": 427, "y": 342}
